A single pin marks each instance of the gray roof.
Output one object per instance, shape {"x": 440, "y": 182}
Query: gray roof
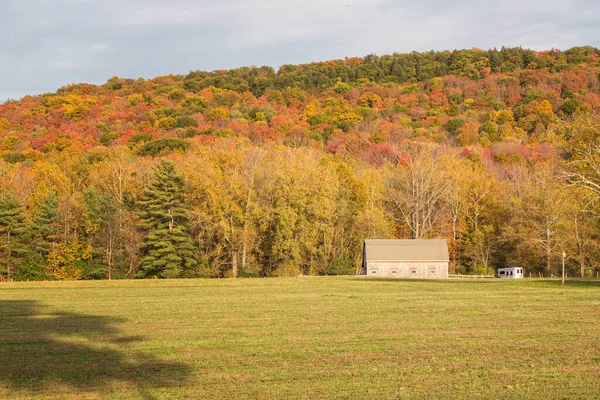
{"x": 406, "y": 250}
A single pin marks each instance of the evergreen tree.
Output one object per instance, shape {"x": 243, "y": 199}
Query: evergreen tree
{"x": 44, "y": 228}
{"x": 43, "y": 233}
{"x": 169, "y": 251}
{"x": 13, "y": 235}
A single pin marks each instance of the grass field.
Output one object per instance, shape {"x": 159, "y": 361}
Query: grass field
{"x": 300, "y": 338}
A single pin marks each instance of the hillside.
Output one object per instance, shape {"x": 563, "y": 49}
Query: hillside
{"x": 285, "y": 172}
{"x": 447, "y": 96}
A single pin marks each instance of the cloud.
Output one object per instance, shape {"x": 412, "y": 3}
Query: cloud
{"x": 101, "y": 48}
{"x": 50, "y": 43}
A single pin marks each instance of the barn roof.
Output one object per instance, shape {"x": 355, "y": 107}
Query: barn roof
{"x": 406, "y": 250}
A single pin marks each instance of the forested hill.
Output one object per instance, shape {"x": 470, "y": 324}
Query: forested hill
{"x": 254, "y": 171}
{"x": 395, "y": 68}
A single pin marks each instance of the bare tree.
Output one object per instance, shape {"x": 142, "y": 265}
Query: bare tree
{"x": 417, "y": 189}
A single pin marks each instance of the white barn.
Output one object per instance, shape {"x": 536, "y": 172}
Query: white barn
{"x": 406, "y": 258}
{"x": 510, "y": 273}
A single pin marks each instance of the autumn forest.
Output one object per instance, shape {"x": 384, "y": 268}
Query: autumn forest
{"x": 261, "y": 172}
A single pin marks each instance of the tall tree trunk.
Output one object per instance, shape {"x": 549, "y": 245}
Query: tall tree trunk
{"x": 109, "y": 257}
{"x": 548, "y": 249}
{"x": 244, "y": 254}
{"x": 234, "y": 264}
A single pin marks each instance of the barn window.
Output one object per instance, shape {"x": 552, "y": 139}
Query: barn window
{"x": 373, "y": 272}
{"x": 432, "y": 269}
{"x": 413, "y": 270}
{"x": 394, "y": 271}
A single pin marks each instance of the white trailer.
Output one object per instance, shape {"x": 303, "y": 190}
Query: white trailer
{"x": 510, "y": 273}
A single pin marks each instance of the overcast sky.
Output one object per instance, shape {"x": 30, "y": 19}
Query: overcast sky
{"x": 49, "y": 43}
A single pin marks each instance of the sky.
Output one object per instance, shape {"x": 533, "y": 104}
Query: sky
{"x": 47, "y": 44}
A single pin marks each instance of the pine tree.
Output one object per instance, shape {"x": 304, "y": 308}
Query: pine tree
{"x": 44, "y": 228}
{"x": 13, "y": 235}
{"x": 169, "y": 251}
{"x": 43, "y": 234}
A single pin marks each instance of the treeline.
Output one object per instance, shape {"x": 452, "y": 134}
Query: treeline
{"x": 283, "y": 173}
{"x": 164, "y": 114}
{"x": 395, "y": 68}
{"x": 234, "y": 209}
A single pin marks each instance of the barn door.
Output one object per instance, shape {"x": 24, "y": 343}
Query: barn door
{"x": 404, "y": 271}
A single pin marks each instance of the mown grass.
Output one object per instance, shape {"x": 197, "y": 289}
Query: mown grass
{"x": 300, "y": 338}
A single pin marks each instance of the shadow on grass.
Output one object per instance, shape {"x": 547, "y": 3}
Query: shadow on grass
{"x": 40, "y": 351}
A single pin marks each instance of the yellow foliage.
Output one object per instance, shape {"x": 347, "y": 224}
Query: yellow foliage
{"x": 9, "y": 142}
{"x": 61, "y": 144}
{"x": 216, "y": 113}
{"x": 47, "y": 178}
{"x": 545, "y": 113}
{"x": 468, "y": 134}
{"x": 437, "y": 82}
{"x": 67, "y": 274}
{"x": 544, "y": 108}
{"x": 166, "y": 123}
{"x": 72, "y": 112}
{"x": 369, "y": 100}
{"x": 135, "y": 99}
{"x": 501, "y": 117}
{"x": 349, "y": 116}
{"x": 312, "y": 109}
{"x": 260, "y": 117}
{"x": 63, "y": 257}
{"x": 31, "y": 154}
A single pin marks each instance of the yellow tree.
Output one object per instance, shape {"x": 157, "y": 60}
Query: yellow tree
{"x": 297, "y": 212}
{"x": 223, "y": 191}
{"x": 479, "y": 193}
{"x": 541, "y": 213}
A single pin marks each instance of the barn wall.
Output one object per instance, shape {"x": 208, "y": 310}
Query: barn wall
{"x": 418, "y": 270}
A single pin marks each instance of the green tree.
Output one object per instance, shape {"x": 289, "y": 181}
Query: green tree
{"x": 44, "y": 228}
{"x": 169, "y": 251}
{"x": 44, "y": 232}
{"x": 13, "y": 235}
{"x": 104, "y": 213}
